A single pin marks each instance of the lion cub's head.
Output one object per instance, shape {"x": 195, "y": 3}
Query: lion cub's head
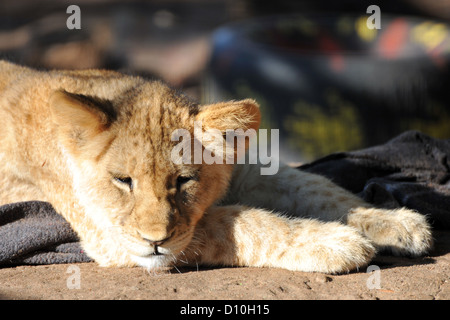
{"x": 119, "y": 153}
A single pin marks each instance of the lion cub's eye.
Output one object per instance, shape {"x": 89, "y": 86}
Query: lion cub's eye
{"x": 181, "y": 180}
{"x": 125, "y": 181}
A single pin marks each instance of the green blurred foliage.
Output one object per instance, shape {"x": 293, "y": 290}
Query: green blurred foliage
{"x": 436, "y": 124}
{"x": 319, "y": 130}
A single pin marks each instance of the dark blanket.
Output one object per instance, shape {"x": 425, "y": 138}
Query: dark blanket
{"x": 33, "y": 233}
{"x": 411, "y": 170}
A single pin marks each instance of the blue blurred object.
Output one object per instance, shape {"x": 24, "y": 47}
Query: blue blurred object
{"x": 329, "y": 83}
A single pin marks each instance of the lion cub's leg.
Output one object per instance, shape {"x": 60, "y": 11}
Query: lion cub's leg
{"x": 302, "y": 194}
{"x": 241, "y": 236}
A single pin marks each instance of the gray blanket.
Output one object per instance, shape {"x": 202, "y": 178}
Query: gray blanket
{"x": 411, "y": 170}
{"x": 33, "y": 233}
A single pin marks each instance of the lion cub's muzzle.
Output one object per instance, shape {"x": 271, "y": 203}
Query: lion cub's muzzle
{"x": 156, "y": 244}
{"x": 155, "y": 254}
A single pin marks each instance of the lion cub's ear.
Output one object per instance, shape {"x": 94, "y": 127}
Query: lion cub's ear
{"x": 242, "y": 118}
{"x": 80, "y": 118}
{"x": 91, "y": 113}
{"x": 230, "y": 115}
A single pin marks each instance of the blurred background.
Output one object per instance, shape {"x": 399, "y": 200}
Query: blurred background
{"x": 323, "y": 78}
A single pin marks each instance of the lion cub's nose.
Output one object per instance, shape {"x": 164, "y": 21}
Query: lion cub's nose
{"x": 158, "y": 243}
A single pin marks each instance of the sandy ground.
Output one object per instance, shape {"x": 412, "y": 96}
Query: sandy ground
{"x": 397, "y": 278}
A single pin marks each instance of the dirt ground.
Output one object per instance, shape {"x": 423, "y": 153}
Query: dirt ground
{"x": 397, "y": 278}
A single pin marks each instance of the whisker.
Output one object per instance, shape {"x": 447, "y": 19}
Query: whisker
{"x": 177, "y": 269}
{"x": 184, "y": 261}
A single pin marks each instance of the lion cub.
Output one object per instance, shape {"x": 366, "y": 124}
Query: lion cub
{"x": 97, "y": 145}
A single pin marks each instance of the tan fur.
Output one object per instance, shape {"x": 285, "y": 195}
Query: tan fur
{"x": 97, "y": 146}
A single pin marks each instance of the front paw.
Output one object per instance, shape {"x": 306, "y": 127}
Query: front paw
{"x": 329, "y": 248}
{"x": 401, "y": 231}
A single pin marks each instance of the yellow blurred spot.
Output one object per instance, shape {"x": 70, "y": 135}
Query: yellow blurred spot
{"x": 363, "y": 32}
{"x": 429, "y": 34}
